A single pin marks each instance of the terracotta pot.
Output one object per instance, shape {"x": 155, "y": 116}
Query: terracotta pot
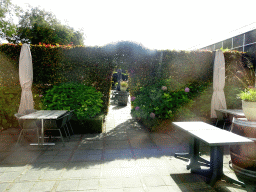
{"x": 249, "y": 109}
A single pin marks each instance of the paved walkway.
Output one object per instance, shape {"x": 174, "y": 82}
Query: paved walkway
{"x": 125, "y": 158}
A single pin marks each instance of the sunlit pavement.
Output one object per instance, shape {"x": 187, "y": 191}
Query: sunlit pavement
{"x": 126, "y": 157}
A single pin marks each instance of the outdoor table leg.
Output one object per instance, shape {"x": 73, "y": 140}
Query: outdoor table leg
{"x": 193, "y": 155}
{"x": 217, "y": 167}
{"x": 42, "y": 133}
{"x": 215, "y": 172}
{"x": 42, "y": 136}
{"x": 216, "y": 164}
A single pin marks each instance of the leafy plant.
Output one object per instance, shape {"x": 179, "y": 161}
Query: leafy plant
{"x": 248, "y": 95}
{"x": 163, "y": 100}
{"x": 84, "y": 100}
{"x": 9, "y": 105}
{"x": 158, "y": 101}
{"x": 124, "y": 84}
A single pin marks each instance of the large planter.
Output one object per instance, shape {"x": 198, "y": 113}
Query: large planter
{"x": 243, "y": 157}
{"x": 122, "y": 97}
{"x": 249, "y": 109}
{"x": 88, "y": 125}
{"x": 123, "y": 88}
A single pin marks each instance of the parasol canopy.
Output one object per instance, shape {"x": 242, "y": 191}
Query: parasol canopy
{"x": 26, "y": 79}
{"x": 218, "y": 96}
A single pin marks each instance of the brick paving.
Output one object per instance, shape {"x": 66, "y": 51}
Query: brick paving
{"x": 125, "y": 158}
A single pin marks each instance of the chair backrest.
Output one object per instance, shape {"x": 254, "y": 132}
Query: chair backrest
{"x": 62, "y": 120}
{"x": 70, "y": 115}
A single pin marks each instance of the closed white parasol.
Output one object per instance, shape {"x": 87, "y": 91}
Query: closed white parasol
{"x": 218, "y": 97}
{"x": 26, "y": 79}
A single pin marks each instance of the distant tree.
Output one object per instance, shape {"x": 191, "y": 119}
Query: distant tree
{"x": 7, "y": 26}
{"x": 39, "y": 25}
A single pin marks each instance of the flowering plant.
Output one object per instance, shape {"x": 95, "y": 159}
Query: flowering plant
{"x": 159, "y": 101}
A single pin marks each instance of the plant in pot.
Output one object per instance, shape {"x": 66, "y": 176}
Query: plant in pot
{"x": 123, "y": 86}
{"x": 248, "y": 98}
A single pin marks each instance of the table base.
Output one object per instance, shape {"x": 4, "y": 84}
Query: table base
{"x": 212, "y": 177}
{"x": 215, "y": 172}
{"x": 195, "y": 162}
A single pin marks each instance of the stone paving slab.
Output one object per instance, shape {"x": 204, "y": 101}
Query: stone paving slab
{"x": 124, "y": 158}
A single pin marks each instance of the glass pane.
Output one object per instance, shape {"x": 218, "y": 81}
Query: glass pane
{"x": 238, "y": 40}
{"x": 250, "y": 37}
{"x": 218, "y": 45}
{"x": 227, "y": 44}
{"x": 251, "y": 49}
{"x": 211, "y": 47}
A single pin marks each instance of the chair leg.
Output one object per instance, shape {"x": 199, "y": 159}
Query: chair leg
{"x": 70, "y": 127}
{"x": 62, "y": 138}
{"x": 37, "y": 131}
{"x": 19, "y": 137}
{"x": 67, "y": 130}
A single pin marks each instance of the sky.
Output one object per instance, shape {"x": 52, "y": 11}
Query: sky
{"x": 158, "y": 24}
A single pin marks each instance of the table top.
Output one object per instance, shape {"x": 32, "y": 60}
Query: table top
{"x": 45, "y": 114}
{"x": 210, "y": 134}
{"x": 235, "y": 112}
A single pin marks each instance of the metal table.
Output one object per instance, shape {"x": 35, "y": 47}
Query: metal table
{"x": 238, "y": 113}
{"x": 45, "y": 115}
{"x": 228, "y": 114}
{"x": 216, "y": 138}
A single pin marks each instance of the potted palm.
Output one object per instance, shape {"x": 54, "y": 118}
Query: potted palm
{"x": 248, "y": 98}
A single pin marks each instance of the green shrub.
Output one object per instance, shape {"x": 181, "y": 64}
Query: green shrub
{"x": 158, "y": 101}
{"x": 167, "y": 100}
{"x": 84, "y": 100}
{"x": 9, "y": 105}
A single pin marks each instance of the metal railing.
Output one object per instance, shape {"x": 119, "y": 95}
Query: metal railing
{"x": 246, "y": 39}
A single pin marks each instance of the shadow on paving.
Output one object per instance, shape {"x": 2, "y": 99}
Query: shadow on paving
{"x": 127, "y": 141}
{"x": 127, "y": 149}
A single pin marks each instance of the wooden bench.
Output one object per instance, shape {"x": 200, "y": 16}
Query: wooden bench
{"x": 216, "y": 138}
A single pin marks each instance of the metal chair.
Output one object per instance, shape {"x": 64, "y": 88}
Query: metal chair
{"x": 27, "y": 125}
{"x": 57, "y": 125}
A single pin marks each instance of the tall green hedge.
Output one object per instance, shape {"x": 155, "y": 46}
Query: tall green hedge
{"x": 53, "y": 65}
{"x": 94, "y": 66}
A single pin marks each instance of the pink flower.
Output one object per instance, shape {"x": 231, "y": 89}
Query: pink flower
{"x": 186, "y": 89}
{"x": 137, "y": 108}
{"x": 133, "y": 98}
{"x": 40, "y": 95}
{"x": 152, "y": 115}
{"x": 164, "y": 88}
